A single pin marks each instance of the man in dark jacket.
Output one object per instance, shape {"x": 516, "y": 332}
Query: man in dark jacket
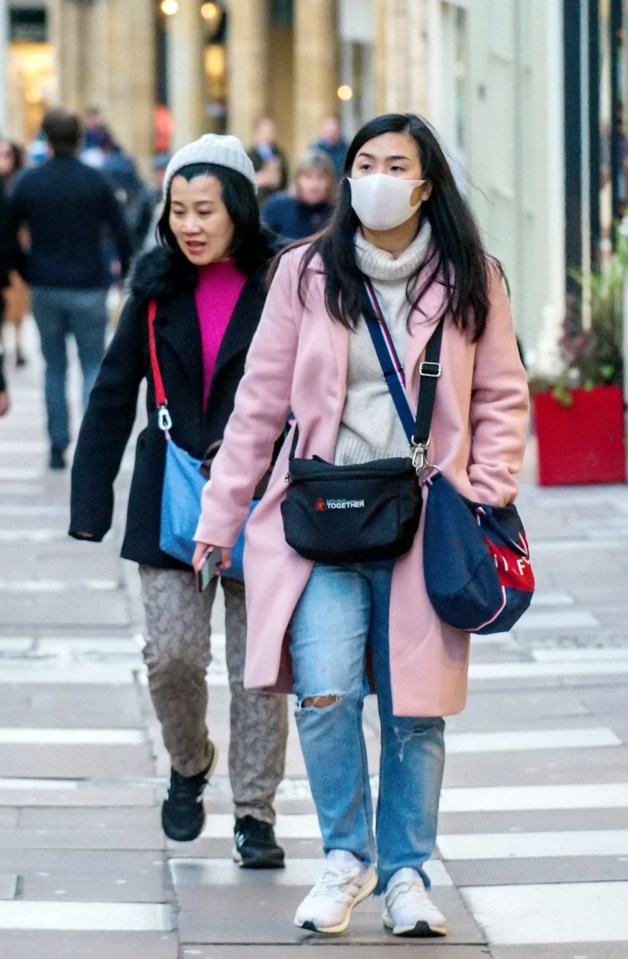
{"x": 67, "y": 207}
{"x": 332, "y": 142}
{"x": 269, "y": 162}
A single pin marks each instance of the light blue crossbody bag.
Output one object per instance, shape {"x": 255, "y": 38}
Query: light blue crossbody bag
{"x": 183, "y": 482}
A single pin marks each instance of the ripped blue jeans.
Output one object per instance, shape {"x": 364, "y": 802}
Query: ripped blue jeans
{"x": 342, "y": 612}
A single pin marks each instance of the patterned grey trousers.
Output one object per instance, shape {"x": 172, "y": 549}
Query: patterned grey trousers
{"x": 177, "y": 654}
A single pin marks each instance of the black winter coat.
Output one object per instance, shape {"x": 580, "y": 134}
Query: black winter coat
{"x": 5, "y": 266}
{"x": 111, "y": 410}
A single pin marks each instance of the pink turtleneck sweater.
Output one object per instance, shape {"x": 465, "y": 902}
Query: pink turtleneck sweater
{"x": 219, "y": 287}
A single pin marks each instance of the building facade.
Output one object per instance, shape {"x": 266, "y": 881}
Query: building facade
{"x": 81, "y": 53}
{"x": 496, "y": 72}
{"x": 528, "y": 98}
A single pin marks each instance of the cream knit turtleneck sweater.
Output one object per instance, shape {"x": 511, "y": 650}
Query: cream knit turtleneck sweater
{"x": 370, "y": 427}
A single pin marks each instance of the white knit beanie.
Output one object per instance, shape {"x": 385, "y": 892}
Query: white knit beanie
{"x": 211, "y": 148}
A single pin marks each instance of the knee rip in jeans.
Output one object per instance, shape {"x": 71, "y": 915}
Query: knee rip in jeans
{"x": 405, "y": 735}
{"x": 320, "y": 702}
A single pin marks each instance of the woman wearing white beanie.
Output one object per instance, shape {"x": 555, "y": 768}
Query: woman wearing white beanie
{"x": 206, "y": 280}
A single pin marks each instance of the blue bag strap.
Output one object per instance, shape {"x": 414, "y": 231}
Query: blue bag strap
{"x": 389, "y": 361}
{"x": 418, "y": 431}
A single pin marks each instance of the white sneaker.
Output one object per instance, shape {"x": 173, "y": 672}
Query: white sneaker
{"x": 345, "y": 882}
{"x": 409, "y": 911}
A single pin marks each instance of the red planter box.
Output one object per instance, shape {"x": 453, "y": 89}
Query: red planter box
{"x": 584, "y": 442}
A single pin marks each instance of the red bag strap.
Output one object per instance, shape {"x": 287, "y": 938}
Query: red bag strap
{"x": 163, "y": 416}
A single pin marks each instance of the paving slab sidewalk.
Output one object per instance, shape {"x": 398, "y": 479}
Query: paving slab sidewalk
{"x": 537, "y": 770}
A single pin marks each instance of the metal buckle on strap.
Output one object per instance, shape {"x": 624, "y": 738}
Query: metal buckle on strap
{"x": 164, "y": 419}
{"x": 419, "y": 454}
{"x": 427, "y": 368}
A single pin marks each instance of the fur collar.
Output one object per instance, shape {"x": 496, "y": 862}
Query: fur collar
{"x": 159, "y": 273}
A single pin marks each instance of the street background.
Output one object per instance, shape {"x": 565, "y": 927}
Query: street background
{"x": 528, "y": 98}
{"x": 534, "y": 827}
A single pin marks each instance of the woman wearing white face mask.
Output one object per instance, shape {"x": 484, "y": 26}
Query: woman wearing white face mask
{"x": 331, "y": 632}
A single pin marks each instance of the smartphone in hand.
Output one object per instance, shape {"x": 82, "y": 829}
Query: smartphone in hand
{"x": 207, "y": 571}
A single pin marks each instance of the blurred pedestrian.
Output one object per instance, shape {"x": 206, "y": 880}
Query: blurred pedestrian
{"x": 401, "y": 222}
{"x": 207, "y": 281}
{"x": 11, "y": 160}
{"x": 16, "y": 295}
{"x": 332, "y": 142}
{"x": 67, "y": 206}
{"x": 37, "y": 150}
{"x": 4, "y": 393}
{"x": 130, "y": 190}
{"x": 269, "y": 162}
{"x": 5, "y": 266}
{"x": 162, "y": 129}
{"x": 96, "y": 137}
{"x": 304, "y": 211}
{"x": 156, "y": 196}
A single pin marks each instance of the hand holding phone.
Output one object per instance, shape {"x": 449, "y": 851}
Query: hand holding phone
{"x": 204, "y": 574}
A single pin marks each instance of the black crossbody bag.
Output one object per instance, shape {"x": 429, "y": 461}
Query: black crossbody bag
{"x": 369, "y": 511}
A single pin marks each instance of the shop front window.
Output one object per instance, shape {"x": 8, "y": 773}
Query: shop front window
{"x": 215, "y": 63}
{"x": 357, "y": 24}
{"x": 608, "y": 147}
{"x": 355, "y": 91}
{"x": 31, "y": 80}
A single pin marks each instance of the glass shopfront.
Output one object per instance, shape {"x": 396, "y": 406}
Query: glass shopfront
{"x": 30, "y": 82}
{"x": 596, "y": 163}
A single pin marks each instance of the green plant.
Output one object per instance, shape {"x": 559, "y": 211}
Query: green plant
{"x": 591, "y": 355}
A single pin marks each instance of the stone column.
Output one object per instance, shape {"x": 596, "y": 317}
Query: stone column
{"x": 315, "y": 67}
{"x": 131, "y": 77}
{"x": 186, "y": 77}
{"x": 66, "y": 20}
{"x": 416, "y": 99}
{"x": 401, "y": 63}
{"x": 105, "y": 54}
{"x": 396, "y": 40}
{"x": 379, "y": 57}
{"x": 247, "y": 65}
{"x": 94, "y": 86}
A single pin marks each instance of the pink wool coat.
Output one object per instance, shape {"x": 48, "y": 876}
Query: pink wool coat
{"x": 298, "y": 361}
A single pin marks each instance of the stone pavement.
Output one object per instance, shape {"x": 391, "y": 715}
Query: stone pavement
{"x": 533, "y": 850}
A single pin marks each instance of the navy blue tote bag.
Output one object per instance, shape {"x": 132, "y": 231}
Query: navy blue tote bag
{"x": 476, "y": 561}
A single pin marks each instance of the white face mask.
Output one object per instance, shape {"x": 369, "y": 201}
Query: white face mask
{"x": 382, "y": 201}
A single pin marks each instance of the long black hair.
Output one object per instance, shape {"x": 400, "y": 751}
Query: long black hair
{"x": 252, "y": 245}
{"x": 457, "y": 260}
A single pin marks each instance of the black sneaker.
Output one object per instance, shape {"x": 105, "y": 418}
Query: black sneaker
{"x": 255, "y": 845}
{"x": 183, "y": 809}
{"x": 57, "y": 459}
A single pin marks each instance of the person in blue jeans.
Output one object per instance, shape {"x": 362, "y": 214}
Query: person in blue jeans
{"x": 332, "y": 632}
{"x": 356, "y": 601}
{"x": 68, "y": 209}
